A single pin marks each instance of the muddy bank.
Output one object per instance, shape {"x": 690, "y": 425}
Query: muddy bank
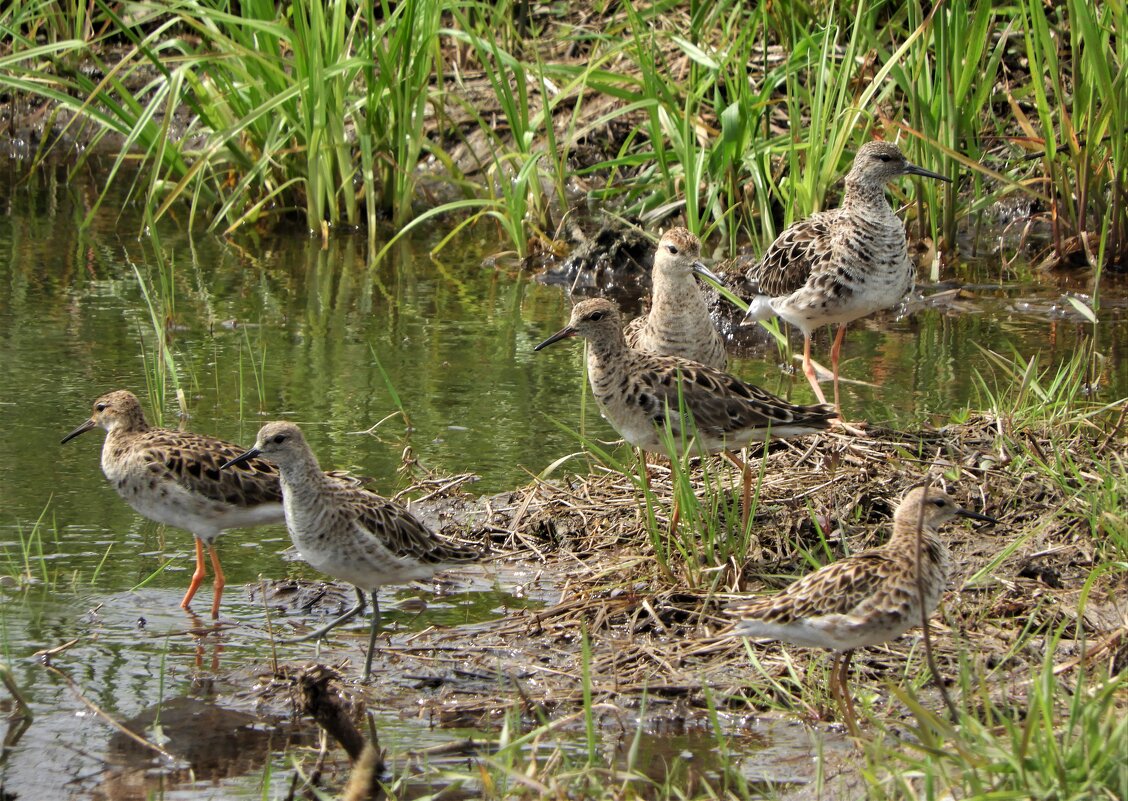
{"x": 578, "y": 547}
{"x": 664, "y": 633}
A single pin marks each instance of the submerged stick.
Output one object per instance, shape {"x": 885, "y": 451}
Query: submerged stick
{"x": 22, "y": 709}
{"x": 97, "y": 710}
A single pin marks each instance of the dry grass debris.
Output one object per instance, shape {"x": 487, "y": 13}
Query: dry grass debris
{"x": 651, "y": 635}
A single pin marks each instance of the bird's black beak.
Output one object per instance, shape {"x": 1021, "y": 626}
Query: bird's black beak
{"x": 563, "y": 333}
{"x": 912, "y": 169}
{"x": 82, "y": 429}
{"x": 975, "y": 516}
{"x": 700, "y": 269}
{"x": 242, "y": 457}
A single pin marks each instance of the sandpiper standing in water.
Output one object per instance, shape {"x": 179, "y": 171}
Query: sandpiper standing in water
{"x": 173, "y": 477}
{"x": 350, "y": 533}
{"x": 840, "y": 265}
{"x": 678, "y": 323}
{"x": 866, "y": 598}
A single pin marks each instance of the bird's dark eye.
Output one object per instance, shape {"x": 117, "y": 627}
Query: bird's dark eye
{"x": 885, "y": 157}
{"x": 939, "y": 501}
{"x": 278, "y": 439}
{"x": 672, "y": 250}
{"x": 596, "y": 316}
{"x": 100, "y": 407}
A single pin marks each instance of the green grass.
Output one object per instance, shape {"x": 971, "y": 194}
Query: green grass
{"x": 1064, "y": 737}
{"x": 1091, "y": 474}
{"x": 739, "y": 118}
{"x": 27, "y": 565}
{"x": 1055, "y": 729}
{"x": 256, "y": 364}
{"x": 325, "y": 114}
{"x": 710, "y": 544}
{"x": 162, "y": 374}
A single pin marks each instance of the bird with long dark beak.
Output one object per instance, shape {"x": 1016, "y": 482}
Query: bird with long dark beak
{"x": 349, "y": 533}
{"x": 651, "y": 399}
{"x": 841, "y": 265}
{"x": 173, "y": 477}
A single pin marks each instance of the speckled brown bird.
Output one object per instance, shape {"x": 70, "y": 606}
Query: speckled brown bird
{"x": 639, "y": 393}
{"x": 841, "y": 265}
{"x": 350, "y": 533}
{"x": 866, "y": 598}
{"x": 174, "y": 477}
{"x": 678, "y": 323}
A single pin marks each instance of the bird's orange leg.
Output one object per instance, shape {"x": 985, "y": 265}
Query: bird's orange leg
{"x": 809, "y": 369}
{"x": 197, "y": 577}
{"x": 220, "y": 580}
{"x": 835, "y": 352}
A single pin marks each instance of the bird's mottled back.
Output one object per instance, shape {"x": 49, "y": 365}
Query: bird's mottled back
{"x": 868, "y": 597}
{"x": 174, "y": 478}
{"x": 346, "y": 531}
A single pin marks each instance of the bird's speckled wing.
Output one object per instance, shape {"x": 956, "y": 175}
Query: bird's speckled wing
{"x": 193, "y": 461}
{"x": 721, "y": 403}
{"x": 634, "y": 330}
{"x": 399, "y": 531}
{"x": 802, "y": 249}
{"x": 839, "y": 588}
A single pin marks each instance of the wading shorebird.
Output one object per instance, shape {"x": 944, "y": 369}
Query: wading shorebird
{"x": 678, "y": 323}
{"x": 841, "y": 265}
{"x": 641, "y": 394}
{"x": 866, "y": 598}
{"x": 349, "y": 533}
{"x": 173, "y": 477}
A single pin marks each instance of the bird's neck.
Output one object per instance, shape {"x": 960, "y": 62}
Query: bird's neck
{"x": 605, "y": 349}
{"x": 677, "y": 295}
{"x": 120, "y": 438}
{"x": 303, "y": 476}
{"x": 904, "y": 540}
{"x": 865, "y": 197}
{"x": 129, "y": 426}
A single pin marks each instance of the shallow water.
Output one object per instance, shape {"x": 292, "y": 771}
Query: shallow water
{"x": 283, "y": 328}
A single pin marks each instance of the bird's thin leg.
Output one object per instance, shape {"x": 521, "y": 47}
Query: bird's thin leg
{"x": 372, "y": 635}
{"x": 809, "y": 369}
{"x": 844, "y": 699}
{"x": 361, "y": 602}
{"x": 197, "y": 577}
{"x": 835, "y": 352}
{"x": 220, "y": 580}
{"x": 746, "y": 497}
{"x": 834, "y": 657}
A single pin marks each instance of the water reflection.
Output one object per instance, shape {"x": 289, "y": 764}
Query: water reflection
{"x": 200, "y": 742}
